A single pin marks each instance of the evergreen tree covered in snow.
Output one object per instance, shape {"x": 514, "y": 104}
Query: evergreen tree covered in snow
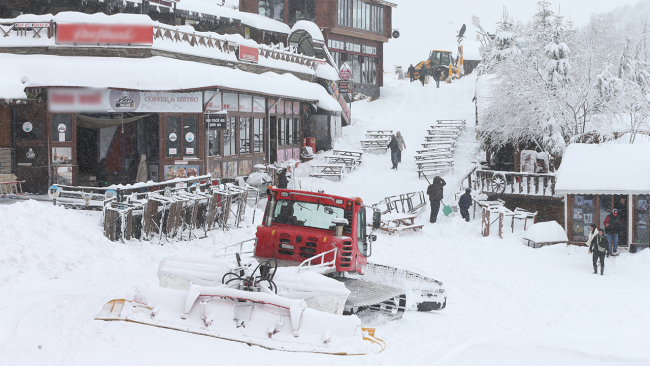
{"x": 557, "y": 66}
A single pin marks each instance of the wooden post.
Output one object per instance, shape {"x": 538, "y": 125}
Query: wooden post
{"x": 485, "y": 221}
{"x": 500, "y": 225}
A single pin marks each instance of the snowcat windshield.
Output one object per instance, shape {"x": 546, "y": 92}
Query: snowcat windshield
{"x": 314, "y": 215}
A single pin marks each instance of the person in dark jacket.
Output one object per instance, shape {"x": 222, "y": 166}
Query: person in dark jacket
{"x": 435, "y": 193}
{"x": 282, "y": 179}
{"x": 612, "y": 227}
{"x": 394, "y": 151}
{"x": 464, "y": 203}
{"x": 423, "y": 75}
{"x": 599, "y": 247}
{"x": 436, "y": 76}
{"x": 411, "y": 72}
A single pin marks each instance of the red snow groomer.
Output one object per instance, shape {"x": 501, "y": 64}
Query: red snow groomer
{"x": 306, "y": 285}
{"x": 329, "y": 233}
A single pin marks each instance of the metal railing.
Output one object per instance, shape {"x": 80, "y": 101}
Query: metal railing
{"x": 501, "y": 182}
{"x": 306, "y": 265}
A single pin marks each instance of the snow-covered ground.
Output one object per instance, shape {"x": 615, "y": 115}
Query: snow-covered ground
{"x": 508, "y": 304}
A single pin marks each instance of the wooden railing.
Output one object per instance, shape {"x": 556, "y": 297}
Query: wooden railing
{"x": 499, "y": 182}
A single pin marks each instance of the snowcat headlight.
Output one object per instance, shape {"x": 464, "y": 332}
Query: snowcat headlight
{"x": 339, "y": 201}
{"x": 284, "y": 194}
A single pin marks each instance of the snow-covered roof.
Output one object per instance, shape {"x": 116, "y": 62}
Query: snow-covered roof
{"x": 250, "y": 19}
{"x": 327, "y": 72}
{"x": 309, "y": 27}
{"x": 604, "y": 169}
{"x": 165, "y": 43}
{"x": 156, "y": 73}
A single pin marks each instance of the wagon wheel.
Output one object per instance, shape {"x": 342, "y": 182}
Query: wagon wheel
{"x": 498, "y": 183}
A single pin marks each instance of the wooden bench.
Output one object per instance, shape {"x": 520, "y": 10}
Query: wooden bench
{"x": 451, "y": 121}
{"x": 328, "y": 171}
{"x": 433, "y": 150}
{"x": 459, "y": 125}
{"x": 377, "y": 136}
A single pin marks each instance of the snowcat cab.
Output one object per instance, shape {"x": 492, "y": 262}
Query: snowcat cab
{"x": 301, "y": 225}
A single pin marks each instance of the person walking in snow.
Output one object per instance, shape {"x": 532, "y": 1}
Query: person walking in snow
{"x": 464, "y": 203}
{"x": 411, "y": 72}
{"x": 599, "y": 247}
{"x": 394, "y": 151}
{"x": 592, "y": 234}
{"x": 401, "y": 145}
{"x": 282, "y": 179}
{"x": 437, "y": 74}
{"x": 423, "y": 75}
{"x": 435, "y": 193}
{"x": 612, "y": 226}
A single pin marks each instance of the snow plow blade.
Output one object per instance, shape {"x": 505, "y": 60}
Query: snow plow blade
{"x": 261, "y": 319}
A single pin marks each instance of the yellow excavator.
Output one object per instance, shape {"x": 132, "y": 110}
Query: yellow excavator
{"x": 441, "y": 60}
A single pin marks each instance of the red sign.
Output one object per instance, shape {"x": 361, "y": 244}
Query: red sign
{"x": 345, "y": 73}
{"x": 104, "y": 34}
{"x": 250, "y": 54}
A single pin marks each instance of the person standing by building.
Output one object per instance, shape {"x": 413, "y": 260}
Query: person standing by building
{"x": 435, "y": 193}
{"x": 464, "y": 203}
{"x": 394, "y": 151}
{"x": 599, "y": 247}
{"x": 411, "y": 72}
{"x": 282, "y": 179}
{"x": 620, "y": 203}
{"x": 612, "y": 227}
{"x": 401, "y": 145}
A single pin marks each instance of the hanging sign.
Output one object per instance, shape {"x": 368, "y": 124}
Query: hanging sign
{"x": 215, "y": 121}
{"x": 250, "y": 54}
{"x": 126, "y": 34}
{"x": 345, "y": 73}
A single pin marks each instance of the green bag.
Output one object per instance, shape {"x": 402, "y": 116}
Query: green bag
{"x": 446, "y": 209}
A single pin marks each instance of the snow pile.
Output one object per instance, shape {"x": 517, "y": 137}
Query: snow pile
{"x": 546, "y": 232}
{"x": 309, "y": 27}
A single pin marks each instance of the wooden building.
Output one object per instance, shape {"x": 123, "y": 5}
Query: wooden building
{"x": 597, "y": 178}
{"x": 355, "y": 31}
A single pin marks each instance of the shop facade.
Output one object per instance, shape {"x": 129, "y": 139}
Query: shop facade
{"x": 180, "y": 134}
{"x": 591, "y": 193}
{"x": 354, "y": 31}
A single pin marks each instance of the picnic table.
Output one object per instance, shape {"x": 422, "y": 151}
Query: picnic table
{"x": 434, "y": 166}
{"x": 353, "y": 153}
{"x": 395, "y": 222}
{"x": 432, "y": 150}
{"x": 433, "y": 155}
{"x": 438, "y": 144}
{"x": 443, "y": 132}
{"x": 375, "y": 144}
{"x": 385, "y": 132}
{"x": 328, "y": 171}
{"x": 449, "y": 139}
{"x": 452, "y": 123}
{"x": 349, "y": 161}
{"x": 377, "y": 135}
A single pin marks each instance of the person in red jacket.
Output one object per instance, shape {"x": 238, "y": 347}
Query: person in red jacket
{"x": 612, "y": 225}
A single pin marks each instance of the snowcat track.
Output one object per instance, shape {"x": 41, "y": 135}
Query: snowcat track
{"x": 373, "y": 297}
